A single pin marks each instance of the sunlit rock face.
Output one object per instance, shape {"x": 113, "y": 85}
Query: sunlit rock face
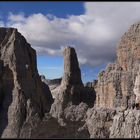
{"x": 116, "y": 82}
{"x": 118, "y": 89}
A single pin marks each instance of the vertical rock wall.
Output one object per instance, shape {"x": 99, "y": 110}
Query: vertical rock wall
{"x": 116, "y": 83}
{"x": 22, "y": 93}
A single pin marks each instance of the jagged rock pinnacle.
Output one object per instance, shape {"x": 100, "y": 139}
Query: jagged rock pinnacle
{"x": 72, "y": 73}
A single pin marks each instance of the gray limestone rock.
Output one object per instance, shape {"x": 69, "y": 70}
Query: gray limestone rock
{"x": 116, "y": 83}
{"x": 21, "y": 91}
{"x": 72, "y": 98}
{"x": 126, "y": 124}
{"x": 71, "y": 91}
{"x": 99, "y": 121}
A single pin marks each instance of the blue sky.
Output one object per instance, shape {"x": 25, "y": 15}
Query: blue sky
{"x": 60, "y": 9}
{"x": 50, "y": 66}
{"x": 91, "y": 27}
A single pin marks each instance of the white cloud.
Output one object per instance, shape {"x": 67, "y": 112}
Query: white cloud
{"x": 16, "y": 18}
{"x": 94, "y": 34}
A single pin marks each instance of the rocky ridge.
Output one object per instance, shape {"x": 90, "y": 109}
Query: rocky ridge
{"x": 107, "y": 108}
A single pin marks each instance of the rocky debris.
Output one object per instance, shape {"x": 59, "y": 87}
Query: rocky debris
{"x": 137, "y": 88}
{"x": 99, "y": 121}
{"x": 47, "y": 127}
{"x": 110, "y": 123}
{"x": 126, "y": 124}
{"x": 116, "y": 82}
{"x": 22, "y": 94}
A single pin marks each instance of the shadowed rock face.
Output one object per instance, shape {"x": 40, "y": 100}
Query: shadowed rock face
{"x": 137, "y": 88}
{"x": 22, "y": 94}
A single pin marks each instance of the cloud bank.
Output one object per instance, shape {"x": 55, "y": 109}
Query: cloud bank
{"x": 94, "y": 34}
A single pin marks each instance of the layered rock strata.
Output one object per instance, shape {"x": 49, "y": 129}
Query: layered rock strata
{"x": 116, "y": 82}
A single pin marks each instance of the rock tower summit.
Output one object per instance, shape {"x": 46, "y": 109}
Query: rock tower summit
{"x": 72, "y": 73}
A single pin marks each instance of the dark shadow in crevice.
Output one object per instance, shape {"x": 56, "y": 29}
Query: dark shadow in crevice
{"x": 88, "y": 96}
{"x": 7, "y": 85}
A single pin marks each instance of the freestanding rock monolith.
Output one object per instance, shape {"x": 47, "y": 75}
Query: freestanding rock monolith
{"x": 72, "y": 73}
{"x": 71, "y": 91}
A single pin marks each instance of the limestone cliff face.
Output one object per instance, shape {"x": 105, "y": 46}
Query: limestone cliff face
{"x": 118, "y": 89}
{"x": 128, "y": 52}
{"x": 116, "y": 83}
{"x": 22, "y": 94}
